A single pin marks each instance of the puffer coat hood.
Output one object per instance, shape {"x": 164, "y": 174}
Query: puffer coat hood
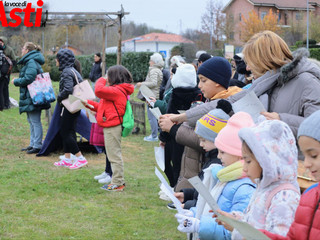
{"x": 66, "y": 58}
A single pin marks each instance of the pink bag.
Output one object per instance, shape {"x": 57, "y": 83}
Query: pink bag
{"x": 82, "y": 90}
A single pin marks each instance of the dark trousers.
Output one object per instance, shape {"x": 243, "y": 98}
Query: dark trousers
{"x": 108, "y": 165}
{"x": 2, "y": 83}
{"x": 68, "y": 132}
{"x": 5, "y": 92}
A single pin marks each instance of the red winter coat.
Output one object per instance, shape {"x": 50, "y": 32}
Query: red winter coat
{"x": 306, "y": 225}
{"x": 112, "y": 99}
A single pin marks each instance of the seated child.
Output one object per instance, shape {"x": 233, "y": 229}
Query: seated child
{"x": 228, "y": 184}
{"x": 306, "y": 224}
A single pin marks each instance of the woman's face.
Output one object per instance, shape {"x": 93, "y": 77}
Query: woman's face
{"x": 251, "y": 166}
{"x": 96, "y": 58}
{"x": 151, "y": 63}
{"x": 24, "y": 51}
{"x": 208, "y": 87}
{"x": 311, "y": 151}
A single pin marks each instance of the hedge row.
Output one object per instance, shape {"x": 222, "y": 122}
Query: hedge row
{"x": 136, "y": 62}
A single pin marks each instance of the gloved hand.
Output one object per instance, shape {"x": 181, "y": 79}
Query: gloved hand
{"x": 187, "y": 224}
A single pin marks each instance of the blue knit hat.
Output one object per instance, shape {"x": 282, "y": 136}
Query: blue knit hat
{"x": 310, "y": 126}
{"x": 217, "y": 69}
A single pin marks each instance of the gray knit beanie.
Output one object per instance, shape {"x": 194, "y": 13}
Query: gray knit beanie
{"x": 310, "y": 127}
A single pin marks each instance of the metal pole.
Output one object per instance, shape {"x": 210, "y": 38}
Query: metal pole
{"x": 104, "y": 36}
{"x": 308, "y": 24}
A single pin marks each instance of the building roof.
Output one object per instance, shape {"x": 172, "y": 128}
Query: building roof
{"x": 160, "y": 37}
{"x": 282, "y": 4}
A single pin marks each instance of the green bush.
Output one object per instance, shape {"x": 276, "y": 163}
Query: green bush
{"x": 136, "y": 62}
{"x": 315, "y": 53}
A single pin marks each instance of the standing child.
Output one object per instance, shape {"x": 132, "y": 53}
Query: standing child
{"x": 113, "y": 92}
{"x": 228, "y": 184}
{"x": 306, "y": 224}
{"x": 270, "y": 154}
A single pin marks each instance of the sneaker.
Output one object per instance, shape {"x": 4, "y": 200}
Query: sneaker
{"x": 113, "y": 187}
{"x": 150, "y": 139}
{"x": 105, "y": 180}
{"x": 102, "y": 175}
{"x": 171, "y": 206}
{"x": 164, "y": 197}
{"x": 78, "y": 164}
{"x": 63, "y": 163}
{"x": 72, "y": 157}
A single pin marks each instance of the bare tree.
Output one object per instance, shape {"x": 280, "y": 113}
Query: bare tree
{"x": 213, "y": 23}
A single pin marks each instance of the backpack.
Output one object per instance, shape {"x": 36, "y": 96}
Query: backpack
{"x": 5, "y": 64}
{"x": 128, "y": 119}
{"x": 285, "y": 186}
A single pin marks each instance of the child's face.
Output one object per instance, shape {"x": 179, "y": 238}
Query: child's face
{"x": 251, "y": 166}
{"x": 207, "y": 87}
{"x": 311, "y": 151}
{"x": 227, "y": 159}
{"x": 206, "y": 144}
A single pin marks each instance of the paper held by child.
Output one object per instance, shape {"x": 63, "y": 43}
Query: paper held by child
{"x": 201, "y": 188}
{"x": 159, "y": 155}
{"x": 73, "y": 98}
{"x": 167, "y": 189}
{"x": 251, "y": 104}
{"x": 156, "y": 112}
{"x": 246, "y": 230}
{"x": 92, "y": 118}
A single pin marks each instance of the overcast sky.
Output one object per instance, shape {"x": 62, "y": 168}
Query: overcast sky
{"x": 169, "y": 15}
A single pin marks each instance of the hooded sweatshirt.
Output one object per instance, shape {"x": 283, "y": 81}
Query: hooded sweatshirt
{"x": 274, "y": 147}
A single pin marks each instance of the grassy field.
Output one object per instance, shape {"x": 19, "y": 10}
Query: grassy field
{"x": 41, "y": 201}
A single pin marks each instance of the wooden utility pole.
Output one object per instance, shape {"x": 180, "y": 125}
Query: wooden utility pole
{"x": 104, "y": 30}
{"x": 120, "y": 16}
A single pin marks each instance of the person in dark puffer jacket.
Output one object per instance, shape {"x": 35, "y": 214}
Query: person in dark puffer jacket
{"x": 65, "y": 61}
{"x": 31, "y": 60}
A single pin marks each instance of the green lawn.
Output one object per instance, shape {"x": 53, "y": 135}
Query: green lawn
{"x": 41, "y": 201}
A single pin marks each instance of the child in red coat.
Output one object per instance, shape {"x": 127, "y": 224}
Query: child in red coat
{"x": 306, "y": 224}
{"x": 113, "y": 92}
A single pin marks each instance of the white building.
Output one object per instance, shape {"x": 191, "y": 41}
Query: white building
{"x": 153, "y": 42}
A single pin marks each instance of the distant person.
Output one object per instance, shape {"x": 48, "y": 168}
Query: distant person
{"x": 31, "y": 59}
{"x": 8, "y": 51}
{"x": 77, "y": 66}
{"x": 5, "y": 68}
{"x": 203, "y": 57}
{"x": 96, "y": 70}
{"x": 65, "y": 61}
{"x": 153, "y": 81}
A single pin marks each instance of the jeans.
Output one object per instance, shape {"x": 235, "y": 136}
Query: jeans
{"x": 34, "y": 119}
{"x": 153, "y": 123}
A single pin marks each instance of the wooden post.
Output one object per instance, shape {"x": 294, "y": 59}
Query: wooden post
{"x": 104, "y": 30}
{"x": 120, "y": 39}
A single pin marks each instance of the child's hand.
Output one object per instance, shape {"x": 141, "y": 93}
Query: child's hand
{"x": 226, "y": 226}
{"x": 178, "y": 118}
{"x": 152, "y": 99}
{"x": 165, "y": 124}
{"x": 271, "y": 115}
{"x": 179, "y": 196}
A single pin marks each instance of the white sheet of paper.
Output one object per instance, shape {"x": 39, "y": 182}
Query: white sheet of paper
{"x": 181, "y": 111}
{"x": 73, "y": 98}
{"x": 92, "y": 118}
{"x": 163, "y": 181}
{"x": 156, "y": 112}
{"x": 246, "y": 230}
{"x": 159, "y": 155}
{"x": 146, "y": 92}
{"x": 199, "y": 186}
{"x": 251, "y": 104}
{"x": 175, "y": 200}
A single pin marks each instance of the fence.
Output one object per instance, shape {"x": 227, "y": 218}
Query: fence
{"x": 139, "y": 113}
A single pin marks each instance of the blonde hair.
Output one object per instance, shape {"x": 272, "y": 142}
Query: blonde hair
{"x": 266, "y": 51}
{"x": 30, "y": 46}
